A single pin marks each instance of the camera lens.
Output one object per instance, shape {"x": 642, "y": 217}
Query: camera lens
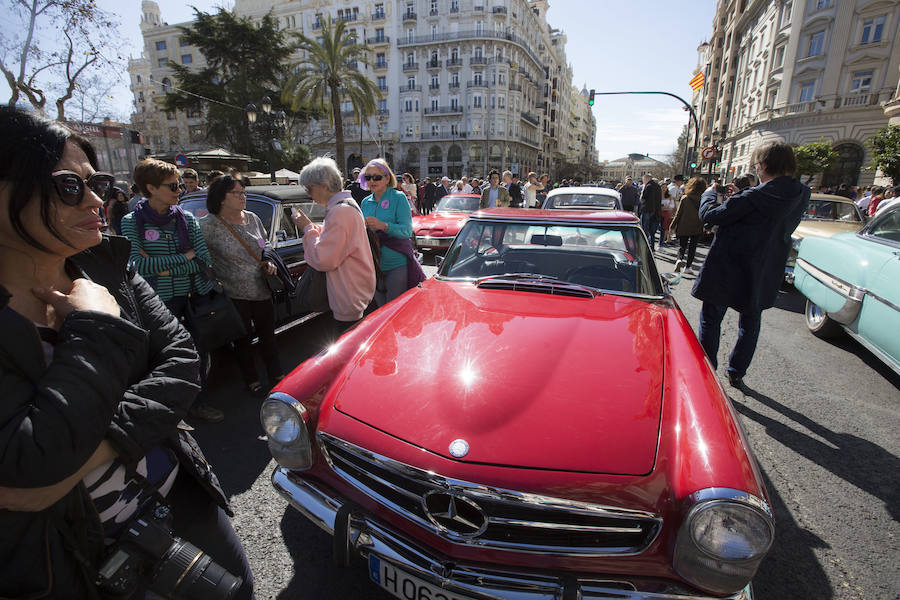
{"x": 187, "y": 572}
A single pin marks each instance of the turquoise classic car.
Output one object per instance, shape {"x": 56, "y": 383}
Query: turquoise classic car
{"x": 852, "y": 283}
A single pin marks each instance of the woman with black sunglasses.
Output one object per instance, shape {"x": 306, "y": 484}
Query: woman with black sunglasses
{"x": 387, "y": 212}
{"x": 166, "y": 243}
{"x": 96, "y": 376}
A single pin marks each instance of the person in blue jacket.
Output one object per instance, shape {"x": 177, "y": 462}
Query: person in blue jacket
{"x": 745, "y": 264}
{"x": 387, "y": 211}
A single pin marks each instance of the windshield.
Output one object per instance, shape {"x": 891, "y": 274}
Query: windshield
{"x": 458, "y": 204}
{"x": 581, "y": 200}
{"x": 606, "y": 257}
{"x": 263, "y": 210}
{"x": 832, "y": 210}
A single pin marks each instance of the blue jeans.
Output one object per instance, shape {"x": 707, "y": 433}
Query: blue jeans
{"x": 711, "y": 316}
{"x": 650, "y": 223}
{"x": 394, "y": 284}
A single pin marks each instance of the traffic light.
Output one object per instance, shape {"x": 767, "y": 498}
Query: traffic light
{"x": 591, "y": 99}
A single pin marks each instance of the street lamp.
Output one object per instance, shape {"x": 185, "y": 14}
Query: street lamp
{"x": 267, "y": 125}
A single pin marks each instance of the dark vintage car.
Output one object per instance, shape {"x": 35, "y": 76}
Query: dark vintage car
{"x": 272, "y": 204}
{"x": 537, "y": 421}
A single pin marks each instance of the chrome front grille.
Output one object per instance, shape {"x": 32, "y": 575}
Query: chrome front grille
{"x": 514, "y": 520}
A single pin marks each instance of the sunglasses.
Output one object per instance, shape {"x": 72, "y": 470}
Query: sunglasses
{"x": 70, "y": 186}
{"x": 174, "y": 186}
{"x": 373, "y": 177}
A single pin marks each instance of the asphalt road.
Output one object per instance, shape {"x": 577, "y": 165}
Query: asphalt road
{"x": 822, "y": 419}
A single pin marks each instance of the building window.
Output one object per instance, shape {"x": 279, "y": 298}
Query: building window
{"x": 379, "y": 11}
{"x": 382, "y": 83}
{"x": 411, "y": 82}
{"x": 778, "y": 59}
{"x": 410, "y": 35}
{"x": 163, "y": 61}
{"x": 380, "y": 60}
{"x": 382, "y": 105}
{"x": 454, "y": 54}
{"x": 434, "y": 104}
{"x": 872, "y": 30}
{"x": 478, "y": 78}
{"x": 161, "y": 45}
{"x": 408, "y": 106}
{"x": 816, "y": 44}
{"x": 434, "y": 7}
{"x": 434, "y": 130}
{"x": 138, "y": 78}
{"x": 807, "y": 89}
{"x": 479, "y": 27}
{"x": 820, "y": 4}
{"x": 379, "y": 35}
{"x": 454, "y": 103}
{"x": 186, "y": 59}
{"x": 476, "y": 101}
{"x": 861, "y": 83}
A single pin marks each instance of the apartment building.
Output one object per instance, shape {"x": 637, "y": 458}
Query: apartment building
{"x": 798, "y": 71}
{"x": 468, "y": 85}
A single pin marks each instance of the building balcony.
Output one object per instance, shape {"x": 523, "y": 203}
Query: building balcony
{"x": 409, "y": 16}
{"x": 317, "y": 25}
{"x": 534, "y": 120}
{"x": 478, "y": 8}
{"x": 378, "y": 40}
{"x": 410, "y": 88}
{"x": 383, "y": 112}
{"x": 434, "y": 64}
{"x": 478, "y": 60}
{"x": 410, "y": 66}
{"x": 444, "y": 110}
{"x": 454, "y": 10}
{"x": 379, "y": 15}
{"x": 347, "y": 18}
{"x": 473, "y": 35}
{"x": 380, "y": 65}
{"x": 454, "y": 85}
{"x": 477, "y": 84}
{"x": 513, "y": 87}
{"x": 454, "y": 62}
{"x": 499, "y": 10}
{"x": 434, "y": 86}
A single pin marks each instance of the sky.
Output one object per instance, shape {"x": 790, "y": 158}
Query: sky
{"x": 613, "y": 45}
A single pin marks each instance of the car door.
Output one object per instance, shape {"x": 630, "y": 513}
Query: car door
{"x": 879, "y": 320}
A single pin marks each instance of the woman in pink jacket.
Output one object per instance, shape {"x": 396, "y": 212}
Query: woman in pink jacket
{"x": 340, "y": 246}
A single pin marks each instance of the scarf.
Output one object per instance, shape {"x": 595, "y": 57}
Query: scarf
{"x": 143, "y": 214}
{"x": 414, "y": 273}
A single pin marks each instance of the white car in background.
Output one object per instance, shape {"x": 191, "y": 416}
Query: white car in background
{"x": 583, "y": 198}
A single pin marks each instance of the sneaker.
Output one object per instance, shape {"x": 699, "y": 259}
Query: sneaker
{"x": 735, "y": 381}
{"x": 206, "y": 413}
{"x": 679, "y": 265}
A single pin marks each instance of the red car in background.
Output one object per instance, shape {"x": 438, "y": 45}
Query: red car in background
{"x": 435, "y": 231}
{"x": 537, "y": 421}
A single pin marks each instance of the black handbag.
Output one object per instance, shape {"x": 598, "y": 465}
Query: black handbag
{"x": 211, "y": 318}
{"x": 312, "y": 291}
{"x": 273, "y": 280}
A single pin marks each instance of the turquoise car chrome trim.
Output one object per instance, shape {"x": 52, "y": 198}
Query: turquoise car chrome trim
{"x": 852, "y": 294}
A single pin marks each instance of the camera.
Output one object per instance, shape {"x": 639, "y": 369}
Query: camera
{"x": 148, "y": 554}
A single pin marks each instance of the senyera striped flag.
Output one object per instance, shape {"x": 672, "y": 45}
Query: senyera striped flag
{"x": 697, "y": 82}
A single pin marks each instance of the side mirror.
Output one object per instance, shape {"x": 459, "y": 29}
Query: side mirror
{"x": 281, "y": 235}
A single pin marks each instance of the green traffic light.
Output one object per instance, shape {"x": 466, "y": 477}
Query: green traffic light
{"x": 693, "y": 165}
{"x": 590, "y": 102}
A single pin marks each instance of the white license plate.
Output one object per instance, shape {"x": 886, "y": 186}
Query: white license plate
{"x": 405, "y": 586}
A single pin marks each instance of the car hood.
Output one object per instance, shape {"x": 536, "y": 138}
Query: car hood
{"x": 526, "y": 379}
{"x": 824, "y": 228}
{"x": 440, "y": 220}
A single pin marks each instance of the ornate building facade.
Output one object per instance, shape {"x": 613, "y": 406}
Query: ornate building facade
{"x": 799, "y": 71}
{"x": 468, "y": 85}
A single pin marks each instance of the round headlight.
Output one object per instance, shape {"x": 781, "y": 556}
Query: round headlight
{"x": 730, "y": 531}
{"x": 281, "y": 421}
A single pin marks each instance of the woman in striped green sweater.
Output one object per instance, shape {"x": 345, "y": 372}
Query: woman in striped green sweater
{"x": 166, "y": 244}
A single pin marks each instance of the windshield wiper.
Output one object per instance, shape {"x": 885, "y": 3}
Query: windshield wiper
{"x": 519, "y": 276}
{"x": 550, "y": 278}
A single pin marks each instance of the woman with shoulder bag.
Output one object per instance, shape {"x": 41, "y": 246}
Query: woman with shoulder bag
{"x": 165, "y": 241}
{"x": 235, "y": 236}
{"x": 686, "y": 223}
{"x": 387, "y": 212}
{"x": 339, "y": 247}
{"x": 96, "y": 376}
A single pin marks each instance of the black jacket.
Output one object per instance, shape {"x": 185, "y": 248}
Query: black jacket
{"x": 127, "y": 379}
{"x": 745, "y": 264}
{"x": 629, "y": 197}
{"x": 651, "y": 198}
{"x": 515, "y": 195}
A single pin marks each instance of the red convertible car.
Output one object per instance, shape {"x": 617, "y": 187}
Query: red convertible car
{"x": 538, "y": 421}
{"x": 435, "y": 231}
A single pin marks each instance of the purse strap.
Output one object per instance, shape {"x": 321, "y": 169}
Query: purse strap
{"x": 239, "y": 239}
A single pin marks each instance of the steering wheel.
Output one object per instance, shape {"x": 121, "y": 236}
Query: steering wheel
{"x": 491, "y": 251}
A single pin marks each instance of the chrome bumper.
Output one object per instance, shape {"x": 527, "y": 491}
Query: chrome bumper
{"x": 433, "y": 242}
{"x": 365, "y": 535}
{"x": 853, "y": 296}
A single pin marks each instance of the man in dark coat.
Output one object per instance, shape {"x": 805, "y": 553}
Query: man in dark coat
{"x": 651, "y": 203}
{"x": 745, "y": 264}
{"x": 355, "y": 188}
{"x": 629, "y": 195}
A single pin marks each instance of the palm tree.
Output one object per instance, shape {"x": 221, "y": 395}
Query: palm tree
{"x": 328, "y": 75}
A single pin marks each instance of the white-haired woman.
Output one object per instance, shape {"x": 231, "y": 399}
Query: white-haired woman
{"x": 340, "y": 246}
{"x": 387, "y": 212}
